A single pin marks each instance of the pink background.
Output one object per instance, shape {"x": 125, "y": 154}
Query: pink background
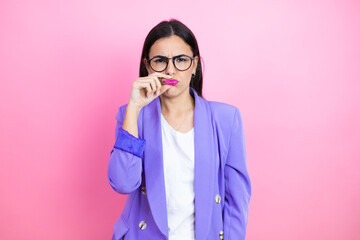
{"x": 292, "y": 68}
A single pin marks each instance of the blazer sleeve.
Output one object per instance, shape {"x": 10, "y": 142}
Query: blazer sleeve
{"x": 237, "y": 184}
{"x": 125, "y": 164}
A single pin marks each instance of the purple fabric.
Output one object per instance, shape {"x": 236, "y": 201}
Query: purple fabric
{"x": 130, "y": 143}
{"x": 220, "y": 169}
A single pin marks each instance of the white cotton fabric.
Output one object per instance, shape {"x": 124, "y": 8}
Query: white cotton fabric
{"x": 178, "y": 161}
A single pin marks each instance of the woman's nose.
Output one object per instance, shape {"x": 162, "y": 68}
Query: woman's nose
{"x": 170, "y": 70}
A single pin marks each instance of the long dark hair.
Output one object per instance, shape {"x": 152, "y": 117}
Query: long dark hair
{"x": 167, "y": 29}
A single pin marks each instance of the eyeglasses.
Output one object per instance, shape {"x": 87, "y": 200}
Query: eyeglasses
{"x": 181, "y": 62}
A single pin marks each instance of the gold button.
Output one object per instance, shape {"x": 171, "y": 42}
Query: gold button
{"x": 221, "y": 235}
{"x": 217, "y": 198}
{"x": 142, "y": 225}
{"x": 143, "y": 190}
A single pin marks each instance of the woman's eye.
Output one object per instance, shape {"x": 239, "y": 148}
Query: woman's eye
{"x": 181, "y": 59}
{"x": 159, "y": 60}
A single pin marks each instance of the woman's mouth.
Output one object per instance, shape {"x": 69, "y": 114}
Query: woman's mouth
{"x": 171, "y": 81}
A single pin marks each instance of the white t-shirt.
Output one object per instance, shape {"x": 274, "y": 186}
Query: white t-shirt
{"x": 178, "y": 161}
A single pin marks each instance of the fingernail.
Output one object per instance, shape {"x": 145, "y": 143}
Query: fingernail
{"x": 150, "y": 95}
{"x": 158, "y": 92}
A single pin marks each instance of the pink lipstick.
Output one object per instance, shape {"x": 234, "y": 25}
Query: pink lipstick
{"x": 172, "y": 81}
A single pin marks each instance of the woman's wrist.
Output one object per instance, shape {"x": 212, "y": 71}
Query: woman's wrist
{"x": 133, "y": 108}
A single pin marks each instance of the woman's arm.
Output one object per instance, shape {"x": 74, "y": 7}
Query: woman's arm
{"x": 237, "y": 184}
{"x": 130, "y": 120}
{"x": 125, "y": 164}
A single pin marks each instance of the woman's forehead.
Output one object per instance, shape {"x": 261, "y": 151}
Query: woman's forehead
{"x": 169, "y": 47}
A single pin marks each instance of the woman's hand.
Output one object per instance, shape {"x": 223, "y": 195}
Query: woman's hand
{"x": 146, "y": 89}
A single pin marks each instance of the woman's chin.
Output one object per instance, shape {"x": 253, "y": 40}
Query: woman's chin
{"x": 174, "y": 91}
{"x": 171, "y": 92}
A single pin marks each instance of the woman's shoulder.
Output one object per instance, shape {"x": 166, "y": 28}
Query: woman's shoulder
{"x": 224, "y": 115}
{"x": 121, "y": 112}
{"x": 221, "y": 109}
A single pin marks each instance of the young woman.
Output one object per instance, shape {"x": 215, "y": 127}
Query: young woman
{"x": 181, "y": 158}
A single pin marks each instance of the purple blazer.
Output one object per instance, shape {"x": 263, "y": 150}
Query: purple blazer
{"x": 222, "y": 183}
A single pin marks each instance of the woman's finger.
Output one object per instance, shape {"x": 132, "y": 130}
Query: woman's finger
{"x": 161, "y": 75}
{"x": 158, "y": 84}
{"x": 153, "y": 85}
{"x": 155, "y": 82}
{"x": 146, "y": 86}
{"x": 164, "y": 88}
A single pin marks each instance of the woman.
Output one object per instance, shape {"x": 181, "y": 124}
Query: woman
{"x": 180, "y": 158}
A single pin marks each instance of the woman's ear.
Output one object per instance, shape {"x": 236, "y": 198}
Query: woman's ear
{"x": 146, "y": 65}
{"x": 195, "y": 62}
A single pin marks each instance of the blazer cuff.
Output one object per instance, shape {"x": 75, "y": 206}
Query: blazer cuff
{"x": 130, "y": 143}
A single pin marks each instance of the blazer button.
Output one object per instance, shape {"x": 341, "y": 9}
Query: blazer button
{"x": 221, "y": 235}
{"x": 142, "y": 225}
{"x": 217, "y": 198}
{"x": 143, "y": 190}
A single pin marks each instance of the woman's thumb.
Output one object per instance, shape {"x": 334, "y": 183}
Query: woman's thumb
{"x": 164, "y": 88}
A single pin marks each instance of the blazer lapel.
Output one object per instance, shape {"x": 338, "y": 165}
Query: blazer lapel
{"x": 204, "y": 166}
{"x": 153, "y": 165}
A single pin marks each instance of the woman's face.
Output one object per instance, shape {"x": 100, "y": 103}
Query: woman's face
{"x": 170, "y": 47}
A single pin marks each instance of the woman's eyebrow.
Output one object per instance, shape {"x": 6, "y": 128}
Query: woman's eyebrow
{"x": 182, "y": 54}
{"x": 159, "y": 56}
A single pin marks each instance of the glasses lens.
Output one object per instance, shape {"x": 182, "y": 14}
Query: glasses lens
{"x": 158, "y": 64}
{"x": 182, "y": 63}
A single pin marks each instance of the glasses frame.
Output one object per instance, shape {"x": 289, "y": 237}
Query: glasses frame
{"x": 167, "y": 61}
